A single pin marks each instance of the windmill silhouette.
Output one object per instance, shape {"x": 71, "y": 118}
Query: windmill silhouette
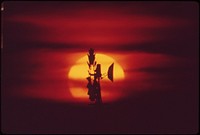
{"x": 94, "y": 87}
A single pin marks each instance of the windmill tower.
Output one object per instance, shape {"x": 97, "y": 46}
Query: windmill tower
{"x": 95, "y": 76}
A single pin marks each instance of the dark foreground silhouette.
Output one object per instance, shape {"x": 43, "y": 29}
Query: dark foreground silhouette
{"x": 95, "y": 75}
{"x": 150, "y": 112}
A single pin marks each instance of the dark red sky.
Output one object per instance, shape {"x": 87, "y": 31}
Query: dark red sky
{"x": 156, "y": 43}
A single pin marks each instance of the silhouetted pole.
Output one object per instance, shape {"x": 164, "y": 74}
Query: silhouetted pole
{"x": 94, "y": 88}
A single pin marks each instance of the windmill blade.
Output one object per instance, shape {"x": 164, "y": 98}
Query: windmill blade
{"x": 110, "y": 72}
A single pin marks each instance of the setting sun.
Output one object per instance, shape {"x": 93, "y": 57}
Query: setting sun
{"x": 80, "y": 69}
{"x": 79, "y": 72}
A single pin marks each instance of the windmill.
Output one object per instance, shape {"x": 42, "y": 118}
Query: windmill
{"x": 95, "y": 75}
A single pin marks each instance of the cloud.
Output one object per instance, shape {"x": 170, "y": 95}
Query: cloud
{"x": 105, "y": 24}
{"x": 124, "y": 26}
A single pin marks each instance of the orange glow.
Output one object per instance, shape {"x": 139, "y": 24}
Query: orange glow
{"x": 79, "y": 72}
{"x": 60, "y": 85}
{"x": 78, "y": 92}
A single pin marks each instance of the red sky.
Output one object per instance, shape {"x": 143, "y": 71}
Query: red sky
{"x": 156, "y": 43}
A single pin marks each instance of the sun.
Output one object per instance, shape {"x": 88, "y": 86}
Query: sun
{"x": 79, "y": 72}
{"x": 80, "y": 69}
